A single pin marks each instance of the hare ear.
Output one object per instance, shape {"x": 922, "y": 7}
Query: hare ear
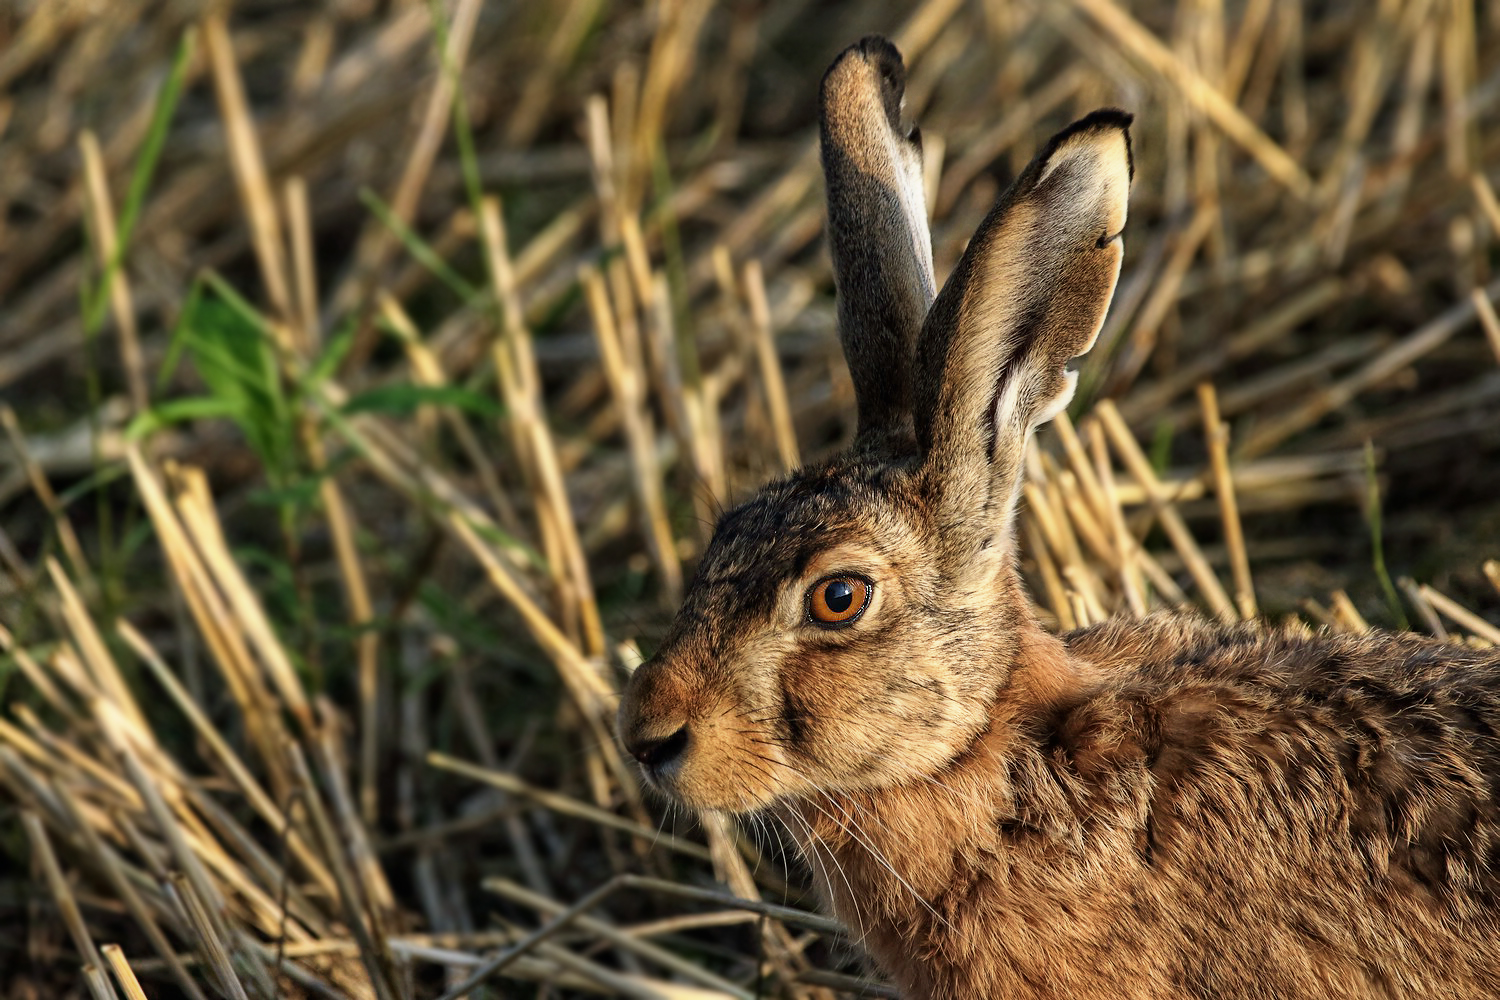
{"x": 877, "y": 228}
{"x": 1028, "y": 296}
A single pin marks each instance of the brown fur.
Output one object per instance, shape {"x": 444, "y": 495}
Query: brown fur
{"x": 1152, "y": 808}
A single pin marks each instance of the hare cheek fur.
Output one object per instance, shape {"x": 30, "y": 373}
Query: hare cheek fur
{"x": 1157, "y": 808}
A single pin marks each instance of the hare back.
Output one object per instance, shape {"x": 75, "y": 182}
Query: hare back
{"x": 1391, "y": 738}
{"x": 1236, "y": 812}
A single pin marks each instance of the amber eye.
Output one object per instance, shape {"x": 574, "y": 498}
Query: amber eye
{"x": 838, "y": 600}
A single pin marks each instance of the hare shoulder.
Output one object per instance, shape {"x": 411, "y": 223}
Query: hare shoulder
{"x": 1235, "y": 811}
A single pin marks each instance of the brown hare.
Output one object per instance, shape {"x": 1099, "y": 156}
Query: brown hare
{"x": 1157, "y": 807}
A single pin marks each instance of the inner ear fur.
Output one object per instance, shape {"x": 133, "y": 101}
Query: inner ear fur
{"x": 1029, "y": 294}
{"x": 877, "y": 228}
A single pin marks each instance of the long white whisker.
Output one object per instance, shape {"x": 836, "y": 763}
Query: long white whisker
{"x": 862, "y": 811}
{"x": 812, "y": 842}
{"x": 775, "y": 825}
{"x": 817, "y": 859}
{"x": 850, "y": 819}
{"x": 852, "y": 827}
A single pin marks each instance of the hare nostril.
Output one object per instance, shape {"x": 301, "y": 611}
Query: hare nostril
{"x": 656, "y": 753}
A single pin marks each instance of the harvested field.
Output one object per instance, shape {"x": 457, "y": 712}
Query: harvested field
{"x": 372, "y": 373}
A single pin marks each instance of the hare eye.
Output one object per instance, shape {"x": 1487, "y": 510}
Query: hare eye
{"x": 838, "y": 600}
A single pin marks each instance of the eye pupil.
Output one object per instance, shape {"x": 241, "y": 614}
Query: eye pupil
{"x": 839, "y": 596}
{"x": 836, "y": 601}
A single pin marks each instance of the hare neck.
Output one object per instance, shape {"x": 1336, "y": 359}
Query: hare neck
{"x": 921, "y": 826}
{"x": 898, "y": 864}
{"x": 1044, "y": 678}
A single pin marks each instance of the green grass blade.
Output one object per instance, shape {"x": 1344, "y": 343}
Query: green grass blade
{"x": 140, "y": 178}
{"x": 420, "y": 250}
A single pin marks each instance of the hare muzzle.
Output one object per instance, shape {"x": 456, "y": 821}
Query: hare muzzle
{"x": 655, "y": 738}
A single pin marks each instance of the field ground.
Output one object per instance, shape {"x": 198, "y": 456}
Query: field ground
{"x": 372, "y": 372}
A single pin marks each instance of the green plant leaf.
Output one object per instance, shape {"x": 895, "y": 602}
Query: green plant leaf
{"x": 231, "y": 350}
{"x": 333, "y": 355}
{"x": 180, "y": 411}
{"x": 403, "y": 400}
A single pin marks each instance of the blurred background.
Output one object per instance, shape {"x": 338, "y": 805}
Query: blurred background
{"x": 372, "y": 373}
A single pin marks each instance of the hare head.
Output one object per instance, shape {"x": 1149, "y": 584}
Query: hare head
{"x": 852, "y": 625}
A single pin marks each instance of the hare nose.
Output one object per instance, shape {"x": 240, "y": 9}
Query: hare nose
{"x": 657, "y": 752}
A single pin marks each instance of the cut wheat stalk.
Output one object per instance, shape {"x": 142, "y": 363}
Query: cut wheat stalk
{"x": 694, "y": 193}
{"x": 120, "y": 878}
{"x": 627, "y": 380}
{"x": 569, "y": 806}
{"x": 1488, "y": 321}
{"x": 616, "y": 936}
{"x": 1164, "y": 509}
{"x": 210, "y": 937}
{"x": 248, "y": 164}
{"x": 57, "y": 884}
{"x": 1459, "y": 615}
{"x": 1347, "y": 615}
{"x": 1132, "y": 561}
{"x": 1419, "y": 342}
{"x": 373, "y": 949}
{"x": 516, "y": 362}
{"x": 101, "y": 217}
{"x": 217, "y": 626}
{"x": 1127, "y": 32}
{"x": 753, "y": 278}
{"x": 1217, "y": 434}
{"x": 1055, "y": 598}
{"x": 120, "y": 965}
{"x": 1424, "y": 607}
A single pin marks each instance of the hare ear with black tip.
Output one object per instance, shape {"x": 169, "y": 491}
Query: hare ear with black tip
{"x": 1028, "y": 296}
{"x": 877, "y": 228}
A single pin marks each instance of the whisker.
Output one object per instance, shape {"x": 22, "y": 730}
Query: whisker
{"x": 852, "y": 828}
{"x": 817, "y": 857}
